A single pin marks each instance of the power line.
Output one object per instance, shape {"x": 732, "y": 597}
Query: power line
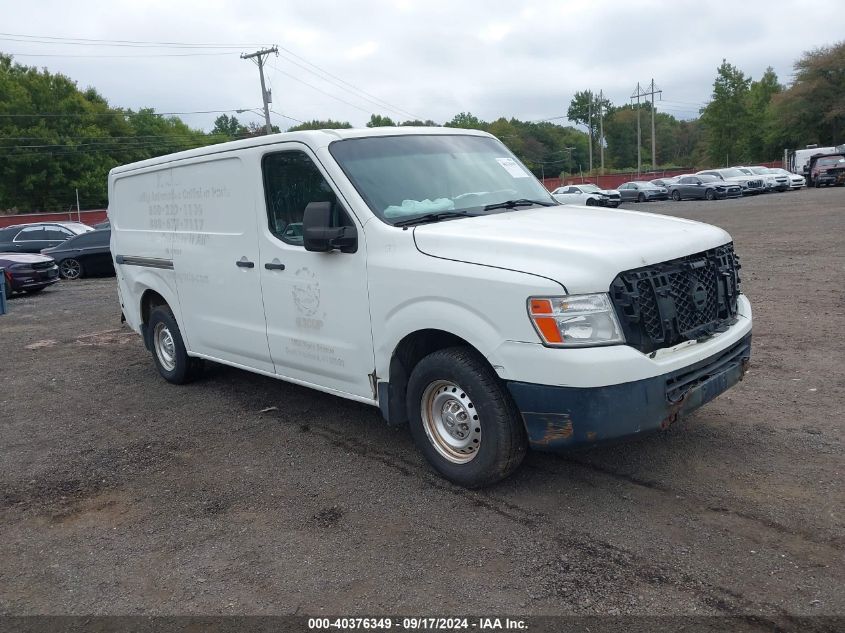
{"x": 119, "y": 113}
{"x": 313, "y": 87}
{"x": 351, "y": 88}
{"x": 107, "y": 42}
{"x": 101, "y": 56}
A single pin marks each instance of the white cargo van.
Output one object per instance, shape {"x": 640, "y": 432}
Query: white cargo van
{"x": 427, "y": 272}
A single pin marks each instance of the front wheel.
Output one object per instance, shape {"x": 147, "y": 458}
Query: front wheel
{"x": 591, "y": 202}
{"x": 709, "y": 195}
{"x": 168, "y": 349}
{"x": 463, "y": 420}
{"x": 71, "y": 269}
{"x": 676, "y": 196}
{"x": 641, "y": 197}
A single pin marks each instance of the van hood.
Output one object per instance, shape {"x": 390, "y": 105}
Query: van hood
{"x": 582, "y": 248}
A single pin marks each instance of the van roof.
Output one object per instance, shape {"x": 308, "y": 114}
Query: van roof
{"x": 313, "y": 138}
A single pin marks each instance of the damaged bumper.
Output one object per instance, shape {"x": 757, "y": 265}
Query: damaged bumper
{"x": 558, "y": 418}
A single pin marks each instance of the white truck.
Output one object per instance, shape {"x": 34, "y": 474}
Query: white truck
{"x": 427, "y": 272}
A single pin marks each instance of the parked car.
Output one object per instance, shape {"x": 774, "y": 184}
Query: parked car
{"x": 587, "y": 194}
{"x": 34, "y": 237}
{"x": 642, "y": 191}
{"x": 84, "y": 255}
{"x": 105, "y": 224}
{"x": 665, "y": 182}
{"x": 432, "y": 276}
{"x": 703, "y": 188}
{"x": 827, "y": 170}
{"x": 26, "y": 272}
{"x": 774, "y": 182}
{"x": 751, "y": 185}
{"x": 796, "y": 181}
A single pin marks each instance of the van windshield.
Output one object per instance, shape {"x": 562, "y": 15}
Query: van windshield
{"x": 404, "y": 177}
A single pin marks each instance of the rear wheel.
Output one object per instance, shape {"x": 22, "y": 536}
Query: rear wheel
{"x": 676, "y": 195}
{"x": 463, "y": 420}
{"x": 168, "y": 348}
{"x": 71, "y": 269}
{"x": 709, "y": 195}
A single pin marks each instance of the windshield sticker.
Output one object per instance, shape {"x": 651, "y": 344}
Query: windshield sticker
{"x": 512, "y": 167}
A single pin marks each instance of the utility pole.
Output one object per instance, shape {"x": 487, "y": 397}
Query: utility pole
{"x": 601, "y": 130}
{"x": 590, "y": 126}
{"x": 78, "y": 211}
{"x": 646, "y": 93}
{"x": 568, "y": 162}
{"x": 637, "y": 96}
{"x": 259, "y": 57}
{"x": 653, "y": 142}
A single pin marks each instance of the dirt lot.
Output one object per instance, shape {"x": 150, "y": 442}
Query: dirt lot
{"x": 125, "y": 495}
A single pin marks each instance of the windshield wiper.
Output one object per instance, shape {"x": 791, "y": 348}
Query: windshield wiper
{"x": 433, "y": 217}
{"x": 521, "y": 202}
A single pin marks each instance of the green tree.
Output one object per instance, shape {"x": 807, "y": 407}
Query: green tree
{"x": 812, "y": 109}
{"x": 726, "y": 119}
{"x": 466, "y": 121}
{"x": 328, "y": 124}
{"x": 760, "y": 116}
{"x": 228, "y": 127}
{"x": 377, "y": 120}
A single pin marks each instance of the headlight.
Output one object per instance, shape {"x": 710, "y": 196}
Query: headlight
{"x": 575, "y": 320}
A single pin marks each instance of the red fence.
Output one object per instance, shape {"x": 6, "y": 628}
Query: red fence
{"x": 86, "y": 217}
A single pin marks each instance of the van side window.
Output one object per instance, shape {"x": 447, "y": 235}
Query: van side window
{"x": 291, "y": 182}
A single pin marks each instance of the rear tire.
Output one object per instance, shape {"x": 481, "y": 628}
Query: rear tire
{"x": 463, "y": 420}
{"x": 71, "y": 268}
{"x": 168, "y": 349}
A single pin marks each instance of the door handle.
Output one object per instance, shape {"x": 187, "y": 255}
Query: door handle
{"x": 244, "y": 263}
{"x": 274, "y": 266}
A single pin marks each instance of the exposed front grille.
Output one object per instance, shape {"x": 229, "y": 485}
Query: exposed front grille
{"x": 755, "y": 184}
{"x": 679, "y": 300}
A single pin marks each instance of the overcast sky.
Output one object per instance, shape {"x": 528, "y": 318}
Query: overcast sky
{"x": 426, "y": 58}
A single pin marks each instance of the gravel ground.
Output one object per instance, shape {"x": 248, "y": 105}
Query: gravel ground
{"x": 239, "y": 494}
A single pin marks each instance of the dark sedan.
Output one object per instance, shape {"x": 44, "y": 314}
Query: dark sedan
{"x": 36, "y": 236}
{"x": 703, "y": 188}
{"x": 641, "y": 191}
{"x": 86, "y": 254}
{"x": 26, "y": 272}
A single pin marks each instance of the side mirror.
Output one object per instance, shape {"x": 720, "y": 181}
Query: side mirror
{"x": 318, "y": 234}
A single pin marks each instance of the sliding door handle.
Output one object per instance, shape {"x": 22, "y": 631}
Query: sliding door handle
{"x": 244, "y": 263}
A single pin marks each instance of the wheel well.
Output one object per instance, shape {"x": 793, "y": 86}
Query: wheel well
{"x": 410, "y": 351}
{"x": 149, "y": 300}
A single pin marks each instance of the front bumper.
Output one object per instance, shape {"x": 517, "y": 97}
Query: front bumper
{"x": 558, "y": 418}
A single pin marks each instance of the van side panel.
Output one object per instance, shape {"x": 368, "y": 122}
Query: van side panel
{"x": 215, "y": 258}
{"x": 141, "y": 236}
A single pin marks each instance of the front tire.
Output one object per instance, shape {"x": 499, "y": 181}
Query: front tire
{"x": 463, "y": 420}
{"x": 676, "y": 196}
{"x": 590, "y": 202}
{"x": 641, "y": 197}
{"x": 709, "y": 195}
{"x": 71, "y": 269}
{"x": 168, "y": 349}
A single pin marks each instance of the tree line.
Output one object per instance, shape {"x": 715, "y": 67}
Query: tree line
{"x": 57, "y": 139}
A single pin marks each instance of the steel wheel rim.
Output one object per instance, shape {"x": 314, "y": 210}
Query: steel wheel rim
{"x": 70, "y": 269}
{"x": 165, "y": 346}
{"x": 451, "y": 421}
